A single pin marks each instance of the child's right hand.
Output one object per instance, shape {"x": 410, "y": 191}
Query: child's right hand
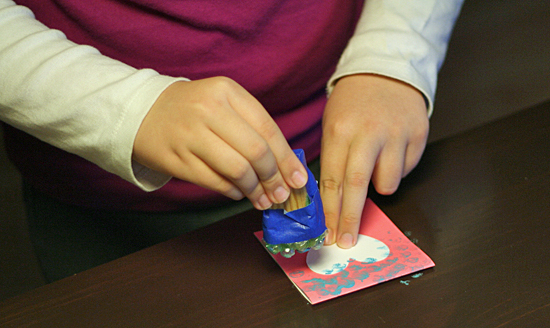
{"x": 213, "y": 133}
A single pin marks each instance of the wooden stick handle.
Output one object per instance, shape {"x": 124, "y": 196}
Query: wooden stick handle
{"x": 296, "y": 200}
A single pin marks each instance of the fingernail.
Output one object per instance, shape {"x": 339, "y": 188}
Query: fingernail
{"x": 329, "y": 239}
{"x": 299, "y": 179}
{"x": 281, "y": 194}
{"x": 345, "y": 241}
{"x": 264, "y": 202}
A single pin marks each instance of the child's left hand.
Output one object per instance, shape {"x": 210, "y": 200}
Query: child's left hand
{"x": 374, "y": 129}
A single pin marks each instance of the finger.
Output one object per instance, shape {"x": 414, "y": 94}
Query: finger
{"x": 293, "y": 171}
{"x": 412, "y": 158}
{"x": 231, "y": 165}
{"x": 333, "y": 155}
{"x": 360, "y": 165}
{"x": 414, "y": 152}
{"x": 193, "y": 169}
{"x": 390, "y": 168}
{"x": 290, "y": 167}
{"x": 236, "y": 132}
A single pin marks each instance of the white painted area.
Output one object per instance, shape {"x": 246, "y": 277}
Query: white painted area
{"x": 333, "y": 259}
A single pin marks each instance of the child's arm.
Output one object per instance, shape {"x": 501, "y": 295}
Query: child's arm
{"x": 376, "y": 121}
{"x": 74, "y": 98}
{"x": 374, "y": 129}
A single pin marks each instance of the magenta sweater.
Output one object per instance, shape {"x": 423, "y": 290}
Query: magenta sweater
{"x": 283, "y": 52}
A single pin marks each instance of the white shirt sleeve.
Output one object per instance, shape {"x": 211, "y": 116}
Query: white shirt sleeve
{"x": 404, "y": 40}
{"x": 48, "y": 90}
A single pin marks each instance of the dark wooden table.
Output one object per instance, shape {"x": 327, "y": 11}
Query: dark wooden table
{"x": 478, "y": 204}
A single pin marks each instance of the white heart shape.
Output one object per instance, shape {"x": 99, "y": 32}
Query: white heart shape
{"x": 333, "y": 259}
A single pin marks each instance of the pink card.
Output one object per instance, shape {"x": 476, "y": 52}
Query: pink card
{"x": 382, "y": 253}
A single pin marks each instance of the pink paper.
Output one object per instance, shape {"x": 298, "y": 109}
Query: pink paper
{"x": 382, "y": 253}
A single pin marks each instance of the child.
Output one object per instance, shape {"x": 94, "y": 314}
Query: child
{"x": 197, "y": 100}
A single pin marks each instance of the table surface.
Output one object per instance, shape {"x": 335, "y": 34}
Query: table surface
{"x": 478, "y": 204}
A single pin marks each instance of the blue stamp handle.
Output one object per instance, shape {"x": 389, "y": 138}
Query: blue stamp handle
{"x": 306, "y": 223}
